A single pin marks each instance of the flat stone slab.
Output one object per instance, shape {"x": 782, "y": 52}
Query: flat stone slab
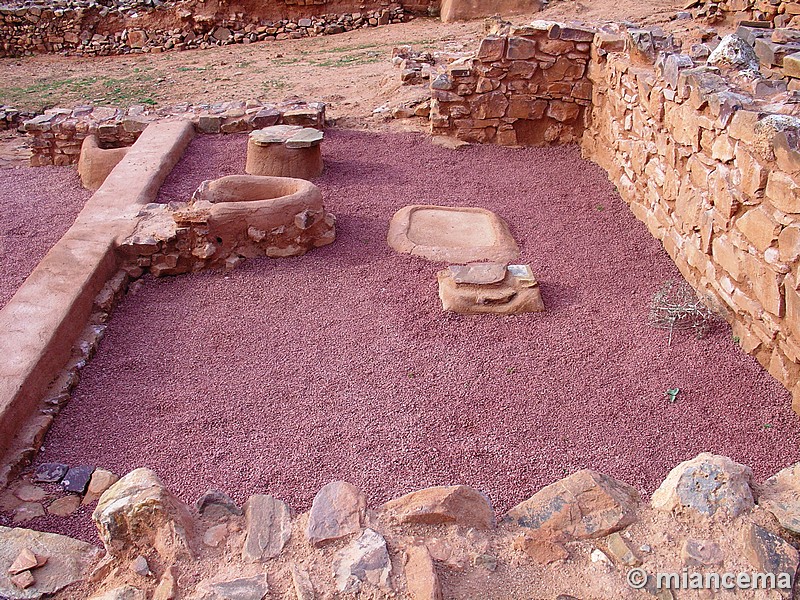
{"x": 68, "y": 561}
{"x": 293, "y": 136}
{"x": 489, "y": 288}
{"x": 457, "y": 235}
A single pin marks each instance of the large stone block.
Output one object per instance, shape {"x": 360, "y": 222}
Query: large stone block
{"x": 783, "y": 192}
{"x": 464, "y": 10}
{"x": 759, "y": 228}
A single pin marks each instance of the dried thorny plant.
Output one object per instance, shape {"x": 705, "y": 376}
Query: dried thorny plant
{"x": 676, "y": 306}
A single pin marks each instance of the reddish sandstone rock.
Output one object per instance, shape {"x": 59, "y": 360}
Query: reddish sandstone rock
{"x": 584, "y": 505}
{"x": 458, "y": 504}
{"x": 542, "y": 545}
{"x": 338, "y": 510}
{"x": 780, "y": 495}
{"x": 421, "y": 578}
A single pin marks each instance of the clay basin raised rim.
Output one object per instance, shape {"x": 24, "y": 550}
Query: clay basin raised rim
{"x": 457, "y": 235}
{"x": 261, "y": 202}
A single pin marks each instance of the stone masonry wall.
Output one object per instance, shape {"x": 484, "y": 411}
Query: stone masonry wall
{"x": 103, "y": 31}
{"x": 704, "y": 158}
{"x": 59, "y": 133}
{"x": 527, "y": 85}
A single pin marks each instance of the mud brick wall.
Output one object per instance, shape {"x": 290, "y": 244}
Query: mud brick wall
{"x": 526, "y": 87}
{"x": 110, "y": 30}
{"x": 715, "y": 175}
{"x": 59, "y": 133}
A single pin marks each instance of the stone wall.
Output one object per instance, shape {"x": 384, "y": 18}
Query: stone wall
{"x": 58, "y": 133}
{"x": 781, "y": 13}
{"x": 585, "y": 536}
{"x": 526, "y": 85}
{"x": 705, "y": 160}
{"x": 141, "y": 27}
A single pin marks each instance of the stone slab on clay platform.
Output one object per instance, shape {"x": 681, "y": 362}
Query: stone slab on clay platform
{"x": 457, "y": 235}
{"x": 489, "y": 288}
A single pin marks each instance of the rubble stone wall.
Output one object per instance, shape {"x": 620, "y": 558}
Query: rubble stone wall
{"x": 140, "y": 27}
{"x": 526, "y": 86}
{"x": 59, "y": 133}
{"x": 713, "y": 173}
{"x": 782, "y": 13}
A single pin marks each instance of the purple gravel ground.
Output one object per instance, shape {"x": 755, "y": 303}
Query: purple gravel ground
{"x": 282, "y": 375}
{"x": 37, "y": 206}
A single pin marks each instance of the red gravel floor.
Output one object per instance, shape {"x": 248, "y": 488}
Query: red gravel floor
{"x": 282, "y": 375}
{"x": 37, "y": 206}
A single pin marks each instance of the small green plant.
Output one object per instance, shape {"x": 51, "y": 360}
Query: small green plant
{"x": 672, "y": 395}
{"x": 767, "y": 426}
{"x": 737, "y": 340}
{"x": 600, "y": 207}
{"x": 511, "y": 370}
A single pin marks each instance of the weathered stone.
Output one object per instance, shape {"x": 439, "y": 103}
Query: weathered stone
{"x": 49, "y": 473}
{"x": 303, "y": 586}
{"x": 458, "y": 504}
{"x": 139, "y": 566}
{"x": 621, "y": 552}
{"x": 77, "y": 479}
{"x": 789, "y": 243}
{"x": 706, "y": 485}
{"x": 29, "y": 493}
{"x": 698, "y": 553}
{"x": 268, "y": 528}
{"x": 584, "y": 505}
{"x": 215, "y": 535}
{"x": 520, "y": 48}
{"x": 758, "y": 227}
{"x": 492, "y": 49}
{"x": 67, "y": 561}
{"x": 563, "y": 111}
{"x": 780, "y": 495}
{"x": 167, "y": 588}
{"x": 138, "y": 513}
{"x": 22, "y": 580}
{"x": 216, "y": 504}
{"x": 100, "y": 482}
{"x": 244, "y": 588}
{"x": 769, "y": 553}
{"x": 673, "y": 65}
{"x": 767, "y": 128}
{"x": 489, "y": 106}
{"x": 543, "y": 545}
{"x": 64, "y": 506}
{"x": 421, "y": 578}
{"x": 783, "y": 193}
{"x": 26, "y": 512}
{"x": 338, "y": 510}
{"x": 364, "y": 560}
{"x": 734, "y": 52}
{"x": 25, "y": 561}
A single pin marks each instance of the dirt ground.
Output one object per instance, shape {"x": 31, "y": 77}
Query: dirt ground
{"x": 348, "y": 71}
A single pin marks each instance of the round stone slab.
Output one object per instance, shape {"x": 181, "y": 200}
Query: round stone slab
{"x": 457, "y": 235}
{"x": 305, "y": 138}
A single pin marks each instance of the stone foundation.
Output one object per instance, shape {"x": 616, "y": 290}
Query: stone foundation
{"x": 136, "y": 27}
{"x": 526, "y": 85}
{"x": 585, "y": 536}
{"x": 58, "y": 133}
